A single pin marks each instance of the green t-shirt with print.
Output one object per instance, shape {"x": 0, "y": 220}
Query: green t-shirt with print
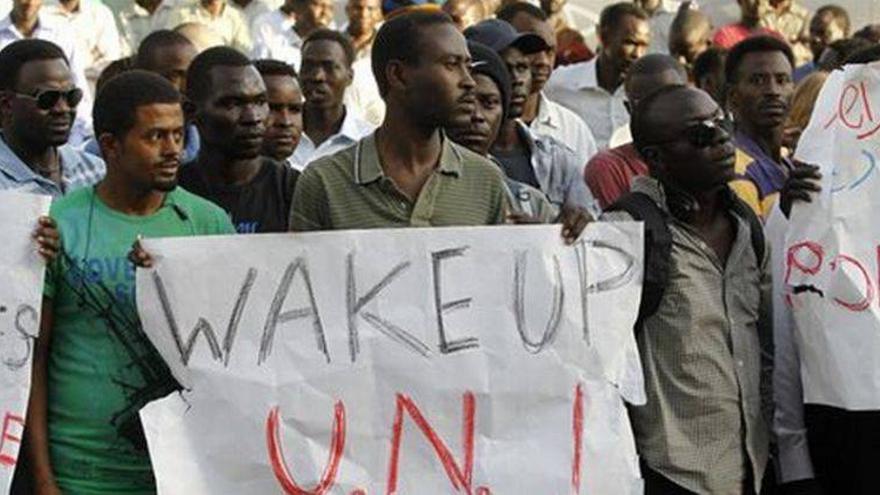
{"x": 102, "y": 368}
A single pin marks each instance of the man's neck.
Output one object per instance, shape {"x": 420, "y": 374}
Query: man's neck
{"x": 508, "y": 138}
{"x": 750, "y": 22}
{"x": 406, "y": 146}
{"x": 321, "y": 123}
{"x": 651, "y": 6}
{"x": 217, "y": 168}
{"x": 43, "y": 161}
{"x": 360, "y": 40}
{"x": 118, "y": 195}
{"x": 532, "y": 107}
{"x": 70, "y": 6}
{"x": 768, "y": 139}
{"x": 303, "y": 29}
{"x": 24, "y": 26}
{"x": 607, "y": 74}
{"x": 214, "y": 7}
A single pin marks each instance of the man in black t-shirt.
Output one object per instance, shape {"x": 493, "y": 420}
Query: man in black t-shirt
{"x": 227, "y": 100}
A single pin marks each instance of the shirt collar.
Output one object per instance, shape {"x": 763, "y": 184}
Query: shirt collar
{"x": 547, "y": 113}
{"x": 352, "y": 127}
{"x": 18, "y": 171}
{"x": 368, "y": 168}
{"x": 672, "y": 200}
{"x": 588, "y": 75}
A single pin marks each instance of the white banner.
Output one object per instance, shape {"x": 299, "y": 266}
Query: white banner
{"x": 21, "y": 293}
{"x": 411, "y": 361}
{"x": 832, "y": 249}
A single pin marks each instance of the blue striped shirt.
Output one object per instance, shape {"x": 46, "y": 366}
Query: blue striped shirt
{"x": 78, "y": 169}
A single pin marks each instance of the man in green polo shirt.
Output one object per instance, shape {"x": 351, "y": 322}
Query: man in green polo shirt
{"x": 93, "y": 366}
{"x": 408, "y": 174}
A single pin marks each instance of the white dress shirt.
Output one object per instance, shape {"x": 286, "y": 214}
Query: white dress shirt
{"x": 49, "y": 29}
{"x": 134, "y": 23}
{"x": 621, "y": 136}
{"x": 576, "y": 87}
{"x": 95, "y": 30}
{"x": 362, "y": 96}
{"x": 254, "y": 10}
{"x": 275, "y": 38}
{"x": 555, "y": 121}
{"x": 352, "y": 130}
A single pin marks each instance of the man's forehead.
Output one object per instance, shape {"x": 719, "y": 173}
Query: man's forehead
{"x": 677, "y": 110}
{"x": 323, "y": 50}
{"x": 764, "y": 62}
{"x": 486, "y": 86}
{"x": 42, "y": 71}
{"x": 632, "y": 25}
{"x": 441, "y": 40}
{"x": 232, "y": 80}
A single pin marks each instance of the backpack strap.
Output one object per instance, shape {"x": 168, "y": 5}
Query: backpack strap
{"x": 756, "y": 227}
{"x": 657, "y": 253}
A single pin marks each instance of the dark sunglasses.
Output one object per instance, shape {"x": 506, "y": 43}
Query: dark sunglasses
{"x": 48, "y": 98}
{"x": 703, "y": 134}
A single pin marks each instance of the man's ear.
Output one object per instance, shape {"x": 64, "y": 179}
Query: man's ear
{"x": 110, "y": 147}
{"x": 395, "y": 74}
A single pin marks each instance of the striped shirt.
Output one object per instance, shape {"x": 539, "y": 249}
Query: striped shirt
{"x": 706, "y": 354}
{"x": 758, "y": 177}
{"x": 349, "y": 190}
{"x": 78, "y": 169}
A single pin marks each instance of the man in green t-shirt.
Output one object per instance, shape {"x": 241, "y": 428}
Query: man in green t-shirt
{"x": 93, "y": 366}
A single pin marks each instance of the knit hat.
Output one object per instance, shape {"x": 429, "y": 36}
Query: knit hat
{"x": 486, "y": 61}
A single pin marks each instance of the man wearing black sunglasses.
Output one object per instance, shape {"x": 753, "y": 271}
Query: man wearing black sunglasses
{"x": 703, "y": 429}
{"x": 38, "y": 102}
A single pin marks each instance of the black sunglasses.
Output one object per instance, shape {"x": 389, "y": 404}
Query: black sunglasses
{"x": 703, "y": 134}
{"x": 48, "y": 98}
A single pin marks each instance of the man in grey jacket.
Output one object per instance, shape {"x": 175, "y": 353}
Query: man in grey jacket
{"x": 539, "y": 161}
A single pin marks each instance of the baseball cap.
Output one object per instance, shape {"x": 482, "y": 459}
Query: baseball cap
{"x": 500, "y": 35}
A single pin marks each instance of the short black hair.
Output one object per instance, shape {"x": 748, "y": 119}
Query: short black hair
{"x": 16, "y": 54}
{"x": 401, "y": 39}
{"x": 113, "y": 69}
{"x": 271, "y": 67}
{"x": 612, "y": 16}
{"x": 870, "y": 32}
{"x": 198, "y": 77}
{"x": 865, "y": 56}
{"x": 754, "y": 44}
{"x": 654, "y": 63}
{"x": 709, "y": 62}
{"x": 324, "y": 34}
{"x": 510, "y": 11}
{"x": 640, "y": 124}
{"x": 839, "y": 13}
{"x": 117, "y": 102}
{"x": 155, "y": 41}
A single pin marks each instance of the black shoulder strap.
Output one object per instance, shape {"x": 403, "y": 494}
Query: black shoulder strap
{"x": 658, "y": 249}
{"x": 756, "y": 227}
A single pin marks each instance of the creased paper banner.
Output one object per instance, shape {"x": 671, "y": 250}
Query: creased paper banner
{"x": 21, "y": 293}
{"x": 833, "y": 246}
{"x": 410, "y": 361}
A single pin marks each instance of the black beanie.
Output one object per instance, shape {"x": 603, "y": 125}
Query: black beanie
{"x": 485, "y": 61}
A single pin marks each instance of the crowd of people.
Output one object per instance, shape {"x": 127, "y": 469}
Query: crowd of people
{"x": 157, "y": 118}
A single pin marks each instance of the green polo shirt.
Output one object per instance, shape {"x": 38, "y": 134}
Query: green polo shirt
{"x": 349, "y": 190}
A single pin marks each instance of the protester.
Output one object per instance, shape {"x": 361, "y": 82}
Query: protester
{"x": 284, "y": 126}
{"x": 465, "y": 13}
{"x": 168, "y": 54}
{"x": 493, "y": 88}
{"x": 704, "y": 341}
{"x": 594, "y": 90}
{"x": 328, "y": 125}
{"x": 689, "y": 36}
{"x": 749, "y": 24}
{"x": 226, "y": 21}
{"x": 543, "y": 116}
{"x": 829, "y": 24}
{"x": 279, "y": 34}
{"x": 791, "y": 20}
{"x": 408, "y": 173}
{"x": 610, "y": 173}
{"x": 661, "y": 13}
{"x": 364, "y": 17}
{"x": 84, "y": 432}
{"x": 758, "y": 72}
{"x": 708, "y": 74}
{"x": 538, "y": 161}
{"x": 38, "y": 104}
{"x": 95, "y": 29}
{"x": 229, "y": 107}
{"x": 134, "y": 21}
{"x": 26, "y": 22}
